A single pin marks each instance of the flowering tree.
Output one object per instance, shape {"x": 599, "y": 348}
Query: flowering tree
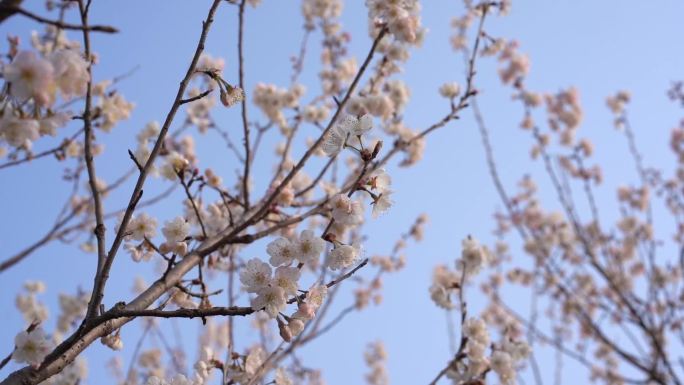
{"x": 276, "y": 253}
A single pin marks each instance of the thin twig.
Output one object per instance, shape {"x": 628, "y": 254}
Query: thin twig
{"x": 75, "y": 27}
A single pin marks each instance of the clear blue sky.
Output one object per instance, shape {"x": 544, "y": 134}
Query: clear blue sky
{"x": 597, "y": 46}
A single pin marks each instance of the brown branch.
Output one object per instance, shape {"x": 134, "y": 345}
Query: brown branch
{"x": 197, "y": 97}
{"x": 186, "y": 188}
{"x": 243, "y": 103}
{"x": 7, "y": 10}
{"x": 137, "y": 191}
{"x": 90, "y": 165}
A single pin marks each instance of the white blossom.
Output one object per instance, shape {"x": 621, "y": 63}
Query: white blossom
{"x": 334, "y": 141}
{"x": 142, "y": 226}
{"x": 18, "y": 132}
{"x": 282, "y": 251}
{"x": 173, "y": 164}
{"x": 30, "y": 76}
{"x": 271, "y": 298}
{"x": 476, "y": 330}
{"x": 502, "y": 364}
{"x": 31, "y": 347}
{"x": 113, "y": 108}
{"x": 473, "y": 256}
{"x": 176, "y": 230}
{"x": 255, "y": 276}
{"x": 379, "y": 180}
{"x": 450, "y": 90}
{"x": 356, "y": 126}
{"x": 440, "y": 295}
{"x": 71, "y": 72}
{"x": 342, "y": 257}
{"x": 309, "y": 246}
{"x": 383, "y": 203}
{"x": 286, "y": 278}
{"x": 281, "y": 377}
{"x": 346, "y": 211}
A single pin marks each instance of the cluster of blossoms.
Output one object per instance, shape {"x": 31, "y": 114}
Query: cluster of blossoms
{"x": 376, "y": 357}
{"x": 245, "y": 368}
{"x": 31, "y": 346}
{"x": 617, "y": 105}
{"x": 272, "y": 100}
{"x": 504, "y": 359}
{"x": 143, "y": 228}
{"x": 73, "y": 309}
{"x": 565, "y": 114}
{"x": 239, "y": 373}
{"x": 349, "y": 134}
{"x": 384, "y": 103}
{"x": 446, "y": 282}
{"x": 36, "y": 79}
{"x": 402, "y": 18}
{"x": 28, "y": 304}
{"x": 322, "y": 9}
{"x": 515, "y": 64}
{"x": 273, "y": 289}
{"x": 471, "y": 363}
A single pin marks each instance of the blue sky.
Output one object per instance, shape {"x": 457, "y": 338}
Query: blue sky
{"x": 598, "y": 46}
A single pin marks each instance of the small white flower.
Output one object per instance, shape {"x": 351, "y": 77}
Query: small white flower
{"x": 255, "y": 359}
{"x": 150, "y": 131}
{"x": 271, "y": 299}
{"x": 174, "y": 163}
{"x": 143, "y": 226}
{"x": 112, "y": 341}
{"x": 476, "y": 350}
{"x": 334, "y": 141}
{"x": 342, "y": 257}
{"x": 286, "y": 278}
{"x": 518, "y": 350}
{"x": 113, "y": 108}
{"x": 316, "y": 295}
{"x": 296, "y": 326}
{"x": 255, "y": 275}
{"x": 30, "y": 76}
{"x": 18, "y": 132}
{"x": 180, "y": 379}
{"x": 154, "y": 380}
{"x": 379, "y": 180}
{"x": 440, "y": 295}
{"x": 309, "y": 246}
{"x": 71, "y": 72}
{"x": 382, "y": 204}
{"x": 356, "y": 126}
{"x": 502, "y": 364}
{"x": 31, "y": 347}
{"x": 281, "y": 377}
{"x": 473, "y": 256}
{"x": 450, "y": 90}
{"x": 346, "y": 211}
{"x": 476, "y": 329}
{"x": 282, "y": 251}
{"x": 176, "y": 230}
